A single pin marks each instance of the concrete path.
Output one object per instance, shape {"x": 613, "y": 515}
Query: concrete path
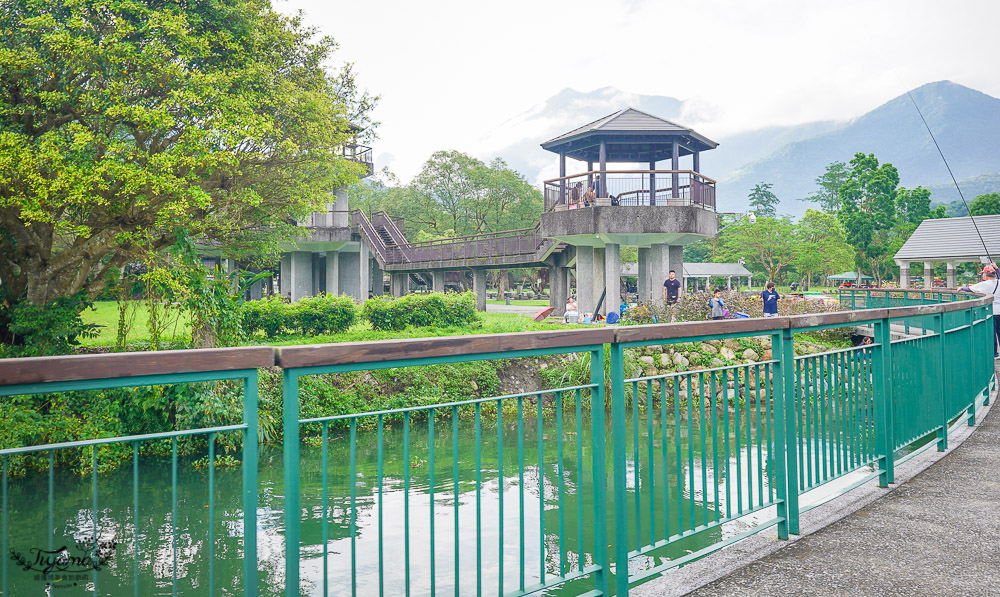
{"x": 936, "y": 532}
{"x": 529, "y": 311}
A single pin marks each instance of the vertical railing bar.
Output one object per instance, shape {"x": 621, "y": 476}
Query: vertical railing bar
{"x": 325, "y": 480}
{"x": 749, "y": 422}
{"x": 51, "y": 496}
{"x": 477, "y": 418}
{"x": 379, "y": 473}
{"x": 539, "y": 399}
{"x": 290, "y": 459}
{"x": 135, "y": 516}
{"x": 665, "y": 474}
{"x": 737, "y": 448}
{"x": 3, "y": 524}
{"x": 760, "y": 440}
{"x": 211, "y": 514}
{"x": 500, "y": 490}
{"x": 520, "y": 484}
{"x": 809, "y": 397}
{"x": 579, "y": 477}
{"x": 678, "y": 455}
{"x": 173, "y": 505}
{"x": 454, "y": 474}
{"x": 725, "y": 441}
{"x": 690, "y": 448}
{"x": 704, "y": 449}
{"x": 430, "y": 484}
{"x": 650, "y": 417}
{"x": 769, "y": 420}
{"x": 821, "y": 449}
{"x": 798, "y": 401}
{"x": 636, "y": 460}
{"x": 713, "y": 388}
{"x": 562, "y": 483}
{"x": 839, "y": 411}
{"x": 249, "y": 487}
{"x": 406, "y": 503}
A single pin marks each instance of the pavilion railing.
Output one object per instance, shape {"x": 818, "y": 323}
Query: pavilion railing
{"x": 631, "y": 187}
{"x": 518, "y": 493}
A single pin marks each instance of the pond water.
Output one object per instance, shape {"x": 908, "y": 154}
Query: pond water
{"x": 506, "y": 506}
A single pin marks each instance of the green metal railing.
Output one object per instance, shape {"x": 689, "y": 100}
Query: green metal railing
{"x": 540, "y": 490}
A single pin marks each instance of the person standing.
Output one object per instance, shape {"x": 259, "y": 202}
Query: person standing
{"x": 770, "y": 297}
{"x": 717, "y": 306}
{"x": 990, "y": 285}
{"x": 671, "y": 288}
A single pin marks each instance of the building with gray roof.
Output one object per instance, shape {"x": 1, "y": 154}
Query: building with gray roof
{"x": 949, "y": 240}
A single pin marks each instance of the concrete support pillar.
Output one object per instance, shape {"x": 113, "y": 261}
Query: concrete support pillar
{"x": 350, "y": 276}
{"x": 904, "y": 275}
{"x": 317, "y": 274}
{"x": 364, "y": 272}
{"x": 333, "y": 272}
{"x": 603, "y": 157}
{"x": 437, "y": 281}
{"x": 397, "y": 284}
{"x": 598, "y": 279}
{"x": 479, "y": 287}
{"x": 558, "y": 289}
{"x": 285, "y": 275}
{"x": 612, "y": 278}
{"x": 645, "y": 287}
{"x": 341, "y": 218}
{"x": 301, "y": 275}
{"x": 951, "y": 276}
{"x": 928, "y": 274}
{"x": 675, "y": 259}
{"x": 585, "y": 279}
{"x": 729, "y": 282}
{"x": 696, "y": 161}
{"x": 378, "y": 278}
{"x": 257, "y": 290}
{"x": 659, "y": 268}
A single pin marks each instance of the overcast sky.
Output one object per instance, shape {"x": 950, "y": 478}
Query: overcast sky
{"x": 450, "y": 72}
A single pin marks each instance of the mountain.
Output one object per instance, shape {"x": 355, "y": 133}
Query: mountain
{"x": 965, "y": 122}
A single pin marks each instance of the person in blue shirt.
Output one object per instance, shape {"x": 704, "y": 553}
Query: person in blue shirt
{"x": 770, "y": 297}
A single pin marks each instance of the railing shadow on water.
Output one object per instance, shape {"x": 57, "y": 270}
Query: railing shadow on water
{"x": 554, "y": 491}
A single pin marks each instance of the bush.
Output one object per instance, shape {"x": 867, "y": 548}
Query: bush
{"x": 421, "y": 310}
{"x": 39, "y": 330}
{"x": 267, "y": 314}
{"x": 323, "y": 314}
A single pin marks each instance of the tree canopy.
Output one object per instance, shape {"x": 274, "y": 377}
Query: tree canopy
{"x": 762, "y": 201}
{"x": 122, "y": 122}
{"x": 985, "y": 205}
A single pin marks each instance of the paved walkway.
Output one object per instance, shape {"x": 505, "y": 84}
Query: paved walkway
{"x": 936, "y": 534}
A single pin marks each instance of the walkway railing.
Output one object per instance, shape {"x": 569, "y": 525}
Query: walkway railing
{"x": 516, "y": 493}
{"x": 631, "y": 187}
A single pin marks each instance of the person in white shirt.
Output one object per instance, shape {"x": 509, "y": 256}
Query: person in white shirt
{"x": 571, "y": 310}
{"x": 990, "y": 285}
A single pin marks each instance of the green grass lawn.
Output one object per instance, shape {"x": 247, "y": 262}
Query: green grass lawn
{"x": 522, "y": 303}
{"x": 106, "y": 315}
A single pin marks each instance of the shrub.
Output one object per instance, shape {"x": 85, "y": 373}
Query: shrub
{"x": 268, "y": 315}
{"x": 39, "y": 330}
{"x": 323, "y": 314}
{"x": 421, "y": 310}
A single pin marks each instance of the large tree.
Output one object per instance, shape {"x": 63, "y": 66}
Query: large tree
{"x": 830, "y": 183}
{"x": 769, "y": 243}
{"x": 868, "y": 211}
{"x": 122, "y": 122}
{"x": 985, "y": 205}
{"x": 822, "y": 245}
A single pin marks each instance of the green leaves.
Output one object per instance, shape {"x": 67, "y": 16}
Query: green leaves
{"x": 121, "y": 122}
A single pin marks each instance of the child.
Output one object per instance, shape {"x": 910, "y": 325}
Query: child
{"x": 717, "y": 306}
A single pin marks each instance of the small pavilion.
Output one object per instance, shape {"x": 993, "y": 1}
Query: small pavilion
{"x": 657, "y": 210}
{"x": 952, "y": 241}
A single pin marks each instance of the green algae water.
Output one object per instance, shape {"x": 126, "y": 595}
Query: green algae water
{"x": 490, "y": 526}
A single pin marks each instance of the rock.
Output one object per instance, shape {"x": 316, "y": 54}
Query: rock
{"x": 646, "y": 359}
{"x": 750, "y": 355}
{"x": 681, "y": 360}
{"x": 706, "y": 347}
{"x": 727, "y": 353}
{"x": 715, "y": 343}
{"x": 717, "y": 362}
{"x": 665, "y": 360}
{"x": 475, "y": 386}
{"x": 731, "y": 343}
{"x": 767, "y": 355}
{"x": 651, "y": 371}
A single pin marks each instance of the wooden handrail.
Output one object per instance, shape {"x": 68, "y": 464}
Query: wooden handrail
{"x": 593, "y": 172}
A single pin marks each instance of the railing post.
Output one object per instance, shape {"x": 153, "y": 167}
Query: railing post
{"x": 618, "y": 468}
{"x": 970, "y": 320}
{"x": 785, "y": 433}
{"x": 940, "y": 373}
{"x": 290, "y": 452}
{"x": 250, "y": 466}
{"x": 882, "y": 389}
{"x": 598, "y": 433}
{"x": 987, "y": 332}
